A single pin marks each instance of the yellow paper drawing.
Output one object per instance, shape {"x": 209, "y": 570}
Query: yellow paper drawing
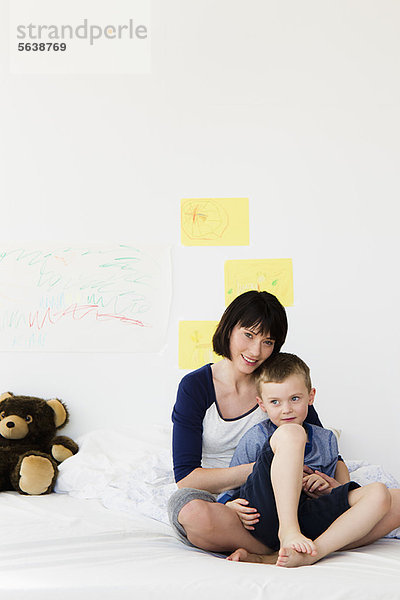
{"x": 215, "y": 222}
{"x": 195, "y": 343}
{"x": 274, "y": 275}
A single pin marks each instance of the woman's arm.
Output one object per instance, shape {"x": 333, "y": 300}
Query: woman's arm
{"x": 195, "y": 395}
{"x": 216, "y": 480}
{"x": 192, "y": 401}
{"x": 342, "y": 474}
{"x": 312, "y": 417}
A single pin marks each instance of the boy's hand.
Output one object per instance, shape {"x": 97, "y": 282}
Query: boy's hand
{"x": 307, "y": 470}
{"x": 333, "y": 483}
{"x": 315, "y": 485}
{"x": 248, "y": 516}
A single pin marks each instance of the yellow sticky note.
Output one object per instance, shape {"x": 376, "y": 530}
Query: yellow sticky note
{"x": 195, "y": 344}
{"x": 274, "y": 275}
{"x": 215, "y": 222}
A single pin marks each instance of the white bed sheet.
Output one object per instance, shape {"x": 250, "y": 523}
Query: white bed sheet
{"x": 62, "y": 547}
{"x": 69, "y": 546}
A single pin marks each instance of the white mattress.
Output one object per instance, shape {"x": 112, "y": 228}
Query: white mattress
{"x": 62, "y": 547}
{"x": 74, "y": 548}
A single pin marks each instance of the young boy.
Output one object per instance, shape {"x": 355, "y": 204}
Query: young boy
{"x": 335, "y": 516}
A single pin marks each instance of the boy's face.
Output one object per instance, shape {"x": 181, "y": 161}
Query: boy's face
{"x": 286, "y": 402}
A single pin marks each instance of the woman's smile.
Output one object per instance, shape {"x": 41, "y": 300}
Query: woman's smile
{"x": 250, "y": 361}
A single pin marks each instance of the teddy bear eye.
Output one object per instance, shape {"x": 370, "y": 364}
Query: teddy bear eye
{"x": 28, "y": 419}
{"x": 2, "y": 415}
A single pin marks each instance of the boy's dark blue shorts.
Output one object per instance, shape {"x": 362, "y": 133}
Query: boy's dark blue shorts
{"x": 315, "y": 515}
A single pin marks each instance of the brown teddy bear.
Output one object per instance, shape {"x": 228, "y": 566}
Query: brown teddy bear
{"x": 29, "y": 448}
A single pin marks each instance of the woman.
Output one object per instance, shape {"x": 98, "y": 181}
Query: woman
{"x": 215, "y": 406}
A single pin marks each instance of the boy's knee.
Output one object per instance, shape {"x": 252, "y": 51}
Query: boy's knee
{"x": 381, "y": 494}
{"x": 395, "y": 501}
{"x": 377, "y": 494}
{"x": 289, "y": 433}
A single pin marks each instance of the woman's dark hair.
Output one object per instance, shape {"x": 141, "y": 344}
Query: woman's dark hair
{"x": 258, "y": 310}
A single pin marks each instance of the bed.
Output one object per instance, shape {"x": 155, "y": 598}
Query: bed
{"x": 104, "y": 534}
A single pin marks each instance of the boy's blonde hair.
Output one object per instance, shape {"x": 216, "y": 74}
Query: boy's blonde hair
{"x": 281, "y": 366}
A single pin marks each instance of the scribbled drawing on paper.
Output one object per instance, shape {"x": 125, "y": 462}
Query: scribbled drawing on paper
{"x": 204, "y": 219}
{"x": 111, "y": 298}
{"x": 195, "y": 344}
{"x": 274, "y": 275}
{"x": 215, "y": 221}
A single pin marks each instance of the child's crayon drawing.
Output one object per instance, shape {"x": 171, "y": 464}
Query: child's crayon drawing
{"x": 195, "y": 344}
{"x": 274, "y": 275}
{"x": 84, "y": 298}
{"x": 215, "y": 222}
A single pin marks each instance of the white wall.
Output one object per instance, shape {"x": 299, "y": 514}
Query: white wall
{"x": 292, "y": 104}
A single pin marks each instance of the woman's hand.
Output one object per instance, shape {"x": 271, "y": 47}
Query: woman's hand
{"x": 248, "y": 516}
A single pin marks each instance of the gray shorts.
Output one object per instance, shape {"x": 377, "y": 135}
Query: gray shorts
{"x": 175, "y": 504}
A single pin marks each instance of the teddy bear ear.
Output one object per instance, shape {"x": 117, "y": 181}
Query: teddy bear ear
{"x": 60, "y": 412}
{"x": 6, "y": 395}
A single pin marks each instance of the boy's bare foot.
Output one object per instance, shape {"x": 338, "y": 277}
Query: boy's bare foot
{"x": 298, "y": 541}
{"x": 241, "y": 555}
{"x": 288, "y": 557}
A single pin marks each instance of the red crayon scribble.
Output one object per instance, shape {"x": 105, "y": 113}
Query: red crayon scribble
{"x": 78, "y": 313}
{"x": 40, "y": 325}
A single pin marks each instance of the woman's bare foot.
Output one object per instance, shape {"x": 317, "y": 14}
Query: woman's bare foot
{"x": 298, "y": 541}
{"x": 288, "y": 557}
{"x": 241, "y": 555}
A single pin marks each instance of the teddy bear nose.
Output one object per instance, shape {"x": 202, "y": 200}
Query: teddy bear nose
{"x": 10, "y": 424}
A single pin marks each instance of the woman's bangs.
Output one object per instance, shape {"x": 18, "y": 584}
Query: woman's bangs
{"x": 257, "y": 323}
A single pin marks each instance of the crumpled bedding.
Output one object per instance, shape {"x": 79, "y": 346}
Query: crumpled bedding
{"x": 131, "y": 471}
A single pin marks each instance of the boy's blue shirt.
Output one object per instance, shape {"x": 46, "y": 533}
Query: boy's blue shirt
{"x": 321, "y": 451}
